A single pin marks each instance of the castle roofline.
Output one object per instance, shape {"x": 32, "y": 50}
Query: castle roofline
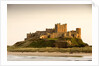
{"x": 78, "y": 28}
{"x": 61, "y": 24}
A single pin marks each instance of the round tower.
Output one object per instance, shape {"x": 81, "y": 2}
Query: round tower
{"x": 78, "y": 30}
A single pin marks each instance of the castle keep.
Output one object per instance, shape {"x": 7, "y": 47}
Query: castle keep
{"x": 57, "y": 32}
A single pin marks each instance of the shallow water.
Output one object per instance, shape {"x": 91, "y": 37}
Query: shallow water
{"x": 47, "y": 58}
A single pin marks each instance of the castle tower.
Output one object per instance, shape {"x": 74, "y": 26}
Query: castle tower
{"x": 78, "y": 30}
{"x": 65, "y": 27}
{"x": 69, "y": 33}
{"x": 28, "y": 35}
{"x": 60, "y": 28}
{"x": 57, "y": 27}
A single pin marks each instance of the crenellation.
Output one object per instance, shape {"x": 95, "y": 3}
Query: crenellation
{"x": 58, "y": 31}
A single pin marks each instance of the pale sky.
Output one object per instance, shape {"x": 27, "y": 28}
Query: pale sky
{"x": 26, "y": 18}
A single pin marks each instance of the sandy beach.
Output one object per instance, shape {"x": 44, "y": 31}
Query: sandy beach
{"x": 49, "y": 54}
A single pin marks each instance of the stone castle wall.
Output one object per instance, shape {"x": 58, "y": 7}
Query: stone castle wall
{"x": 50, "y": 30}
{"x": 59, "y": 31}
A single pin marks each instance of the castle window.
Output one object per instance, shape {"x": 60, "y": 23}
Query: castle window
{"x": 73, "y": 35}
{"x": 48, "y": 36}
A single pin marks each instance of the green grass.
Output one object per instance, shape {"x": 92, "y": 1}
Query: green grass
{"x": 42, "y": 44}
{"x": 52, "y": 38}
{"x": 51, "y": 42}
{"x": 50, "y": 49}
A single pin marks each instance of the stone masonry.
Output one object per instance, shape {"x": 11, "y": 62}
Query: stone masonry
{"x": 58, "y": 31}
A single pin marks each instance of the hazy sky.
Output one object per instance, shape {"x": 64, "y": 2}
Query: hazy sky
{"x": 26, "y": 18}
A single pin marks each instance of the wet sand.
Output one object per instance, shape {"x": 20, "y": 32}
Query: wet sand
{"x": 49, "y": 54}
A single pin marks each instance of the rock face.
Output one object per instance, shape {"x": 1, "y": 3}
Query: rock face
{"x": 58, "y": 31}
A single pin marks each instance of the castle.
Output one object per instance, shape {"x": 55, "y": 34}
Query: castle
{"x": 57, "y": 32}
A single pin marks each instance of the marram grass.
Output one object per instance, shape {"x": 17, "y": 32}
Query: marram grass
{"x": 50, "y": 49}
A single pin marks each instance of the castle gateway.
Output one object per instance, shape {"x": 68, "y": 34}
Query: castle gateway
{"x": 57, "y": 32}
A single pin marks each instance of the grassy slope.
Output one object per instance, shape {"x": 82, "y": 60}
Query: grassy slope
{"x": 48, "y": 45}
{"x": 50, "y": 42}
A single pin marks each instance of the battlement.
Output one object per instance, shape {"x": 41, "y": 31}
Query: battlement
{"x": 60, "y": 30}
